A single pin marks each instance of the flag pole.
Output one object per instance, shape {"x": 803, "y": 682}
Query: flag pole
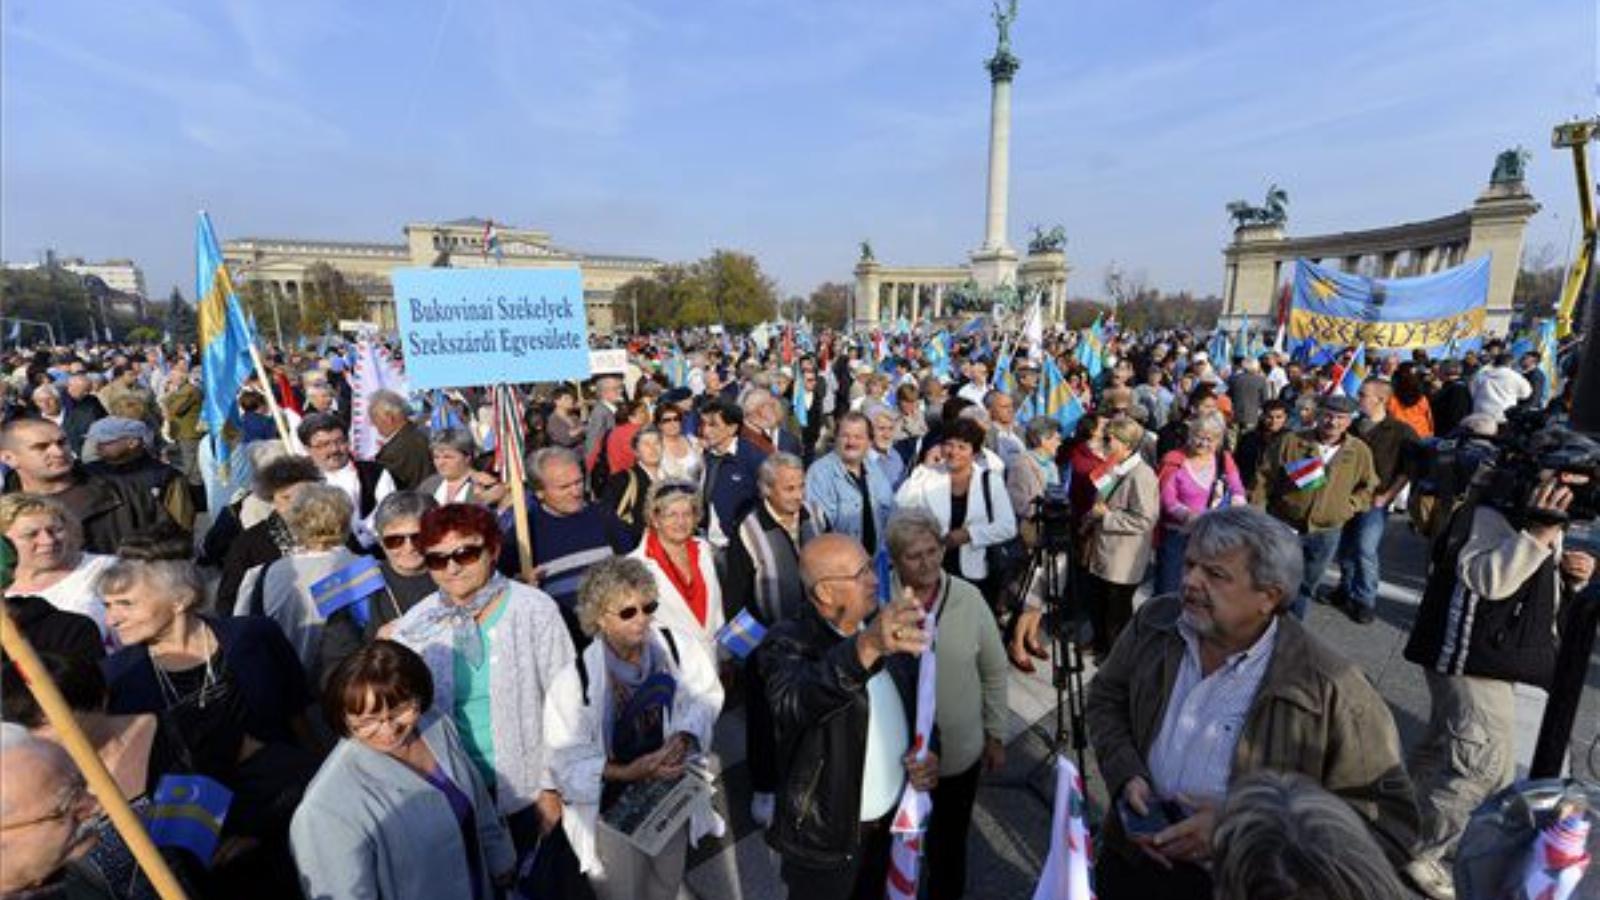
{"x": 272, "y": 400}
{"x": 519, "y": 507}
{"x": 83, "y": 755}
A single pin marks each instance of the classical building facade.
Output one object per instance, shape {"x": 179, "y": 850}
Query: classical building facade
{"x": 1261, "y": 257}
{"x": 280, "y": 265}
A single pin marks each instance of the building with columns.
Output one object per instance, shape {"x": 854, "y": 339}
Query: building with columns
{"x": 280, "y": 264}
{"x": 1260, "y": 259}
{"x": 886, "y": 293}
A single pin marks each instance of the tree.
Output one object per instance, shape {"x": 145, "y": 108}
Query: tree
{"x": 829, "y": 305}
{"x": 792, "y": 308}
{"x": 182, "y": 322}
{"x": 1540, "y": 281}
{"x": 1123, "y": 286}
{"x": 725, "y": 287}
{"x": 325, "y": 298}
{"x": 52, "y": 296}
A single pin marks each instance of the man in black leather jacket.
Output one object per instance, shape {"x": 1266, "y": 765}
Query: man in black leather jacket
{"x": 833, "y": 680}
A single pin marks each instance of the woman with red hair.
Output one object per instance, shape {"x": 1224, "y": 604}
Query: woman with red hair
{"x": 493, "y": 647}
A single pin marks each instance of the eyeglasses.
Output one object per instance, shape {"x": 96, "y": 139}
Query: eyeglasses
{"x": 861, "y": 573}
{"x": 671, "y": 420}
{"x": 402, "y": 716}
{"x": 461, "y": 556}
{"x": 396, "y": 541}
{"x": 72, "y": 797}
{"x": 627, "y": 613}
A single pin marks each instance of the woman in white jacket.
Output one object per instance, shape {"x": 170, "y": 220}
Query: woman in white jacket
{"x": 608, "y": 724}
{"x": 683, "y": 566}
{"x": 968, "y": 499}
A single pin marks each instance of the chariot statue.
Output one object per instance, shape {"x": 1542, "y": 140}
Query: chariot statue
{"x": 1274, "y": 211}
{"x": 1052, "y": 241}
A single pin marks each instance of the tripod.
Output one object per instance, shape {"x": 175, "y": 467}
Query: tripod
{"x": 1048, "y": 575}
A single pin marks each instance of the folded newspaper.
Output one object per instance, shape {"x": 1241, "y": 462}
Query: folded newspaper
{"x": 650, "y": 812}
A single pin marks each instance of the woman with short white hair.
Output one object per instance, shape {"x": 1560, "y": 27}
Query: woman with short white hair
{"x": 683, "y": 565}
{"x": 639, "y": 706}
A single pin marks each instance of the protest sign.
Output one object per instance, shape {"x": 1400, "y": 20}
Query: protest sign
{"x": 462, "y": 327}
{"x": 608, "y": 362}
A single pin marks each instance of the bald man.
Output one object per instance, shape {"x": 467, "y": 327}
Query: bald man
{"x": 843, "y": 697}
{"x": 44, "y": 808}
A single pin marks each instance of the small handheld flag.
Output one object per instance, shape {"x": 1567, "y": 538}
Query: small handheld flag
{"x": 354, "y": 582}
{"x": 1067, "y": 865}
{"x": 1307, "y": 474}
{"x": 186, "y": 812}
{"x": 742, "y": 634}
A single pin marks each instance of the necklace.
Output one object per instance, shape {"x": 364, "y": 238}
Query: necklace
{"x": 169, "y": 691}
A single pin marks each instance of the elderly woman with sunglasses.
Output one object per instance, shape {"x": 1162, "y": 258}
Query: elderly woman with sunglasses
{"x": 406, "y": 582}
{"x": 683, "y": 565}
{"x": 493, "y": 647}
{"x": 397, "y": 810}
{"x": 639, "y": 706}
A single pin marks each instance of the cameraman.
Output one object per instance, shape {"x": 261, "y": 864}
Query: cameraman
{"x": 1488, "y": 619}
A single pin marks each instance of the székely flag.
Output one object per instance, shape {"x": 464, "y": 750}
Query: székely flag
{"x": 353, "y": 583}
{"x": 742, "y": 634}
{"x": 187, "y": 812}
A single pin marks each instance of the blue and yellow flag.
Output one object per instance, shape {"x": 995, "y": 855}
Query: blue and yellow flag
{"x": 1091, "y": 349}
{"x": 1060, "y": 403}
{"x": 354, "y": 582}
{"x": 1549, "y": 350}
{"x": 225, "y": 337}
{"x": 1428, "y": 312}
{"x": 742, "y": 634}
{"x": 802, "y": 400}
{"x": 186, "y": 812}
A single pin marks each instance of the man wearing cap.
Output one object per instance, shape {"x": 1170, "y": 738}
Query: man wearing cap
{"x": 1316, "y": 482}
{"x": 151, "y": 490}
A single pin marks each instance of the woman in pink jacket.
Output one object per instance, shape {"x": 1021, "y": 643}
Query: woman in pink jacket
{"x": 1196, "y": 478}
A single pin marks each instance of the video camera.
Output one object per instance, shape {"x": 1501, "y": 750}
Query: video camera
{"x": 1504, "y": 470}
{"x": 1051, "y": 518}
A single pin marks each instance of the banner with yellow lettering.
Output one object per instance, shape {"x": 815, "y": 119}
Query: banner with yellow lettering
{"x": 1430, "y": 312}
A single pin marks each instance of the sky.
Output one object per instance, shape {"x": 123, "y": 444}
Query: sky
{"x": 790, "y": 130}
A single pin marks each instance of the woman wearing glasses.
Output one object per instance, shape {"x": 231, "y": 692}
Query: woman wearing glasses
{"x": 493, "y": 647}
{"x": 681, "y": 453}
{"x": 406, "y": 582}
{"x": 398, "y": 810}
{"x": 683, "y": 565}
{"x": 613, "y": 722}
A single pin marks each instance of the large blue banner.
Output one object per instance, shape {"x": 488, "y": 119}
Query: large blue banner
{"x": 463, "y": 327}
{"x": 1431, "y": 312}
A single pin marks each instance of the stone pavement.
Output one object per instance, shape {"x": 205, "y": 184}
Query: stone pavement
{"x": 1011, "y": 823}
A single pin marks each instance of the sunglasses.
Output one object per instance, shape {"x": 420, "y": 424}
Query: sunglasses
{"x": 396, "y": 541}
{"x": 463, "y": 556}
{"x": 627, "y": 613}
{"x": 666, "y": 420}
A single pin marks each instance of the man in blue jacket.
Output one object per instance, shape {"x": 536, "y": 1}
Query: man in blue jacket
{"x": 731, "y": 466}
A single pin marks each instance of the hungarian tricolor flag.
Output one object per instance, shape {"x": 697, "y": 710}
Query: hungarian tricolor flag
{"x": 1307, "y": 474}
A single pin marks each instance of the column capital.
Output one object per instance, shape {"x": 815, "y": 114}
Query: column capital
{"x": 1003, "y": 65}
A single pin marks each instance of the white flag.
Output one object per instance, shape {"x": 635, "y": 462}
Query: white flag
{"x": 1034, "y": 332}
{"x": 911, "y": 819}
{"x": 375, "y": 370}
{"x": 1066, "y": 868}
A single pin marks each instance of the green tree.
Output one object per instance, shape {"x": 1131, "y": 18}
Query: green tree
{"x": 326, "y": 296}
{"x": 829, "y": 305}
{"x": 740, "y": 295}
{"x": 182, "y": 321}
{"x": 49, "y": 295}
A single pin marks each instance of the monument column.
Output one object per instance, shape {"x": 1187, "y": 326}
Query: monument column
{"x": 866, "y": 305}
{"x": 995, "y": 262}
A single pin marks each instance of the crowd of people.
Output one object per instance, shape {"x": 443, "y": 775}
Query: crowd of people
{"x": 473, "y": 725}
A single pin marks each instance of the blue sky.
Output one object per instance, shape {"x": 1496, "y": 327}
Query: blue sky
{"x": 790, "y": 130}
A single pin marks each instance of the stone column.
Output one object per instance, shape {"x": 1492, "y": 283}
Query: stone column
{"x": 916, "y": 302}
{"x": 995, "y": 263}
{"x": 866, "y": 292}
{"x": 938, "y": 300}
{"x": 1252, "y": 271}
{"x": 1499, "y": 217}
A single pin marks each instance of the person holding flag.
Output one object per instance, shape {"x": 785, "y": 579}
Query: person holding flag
{"x": 1315, "y": 482}
{"x": 843, "y": 696}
